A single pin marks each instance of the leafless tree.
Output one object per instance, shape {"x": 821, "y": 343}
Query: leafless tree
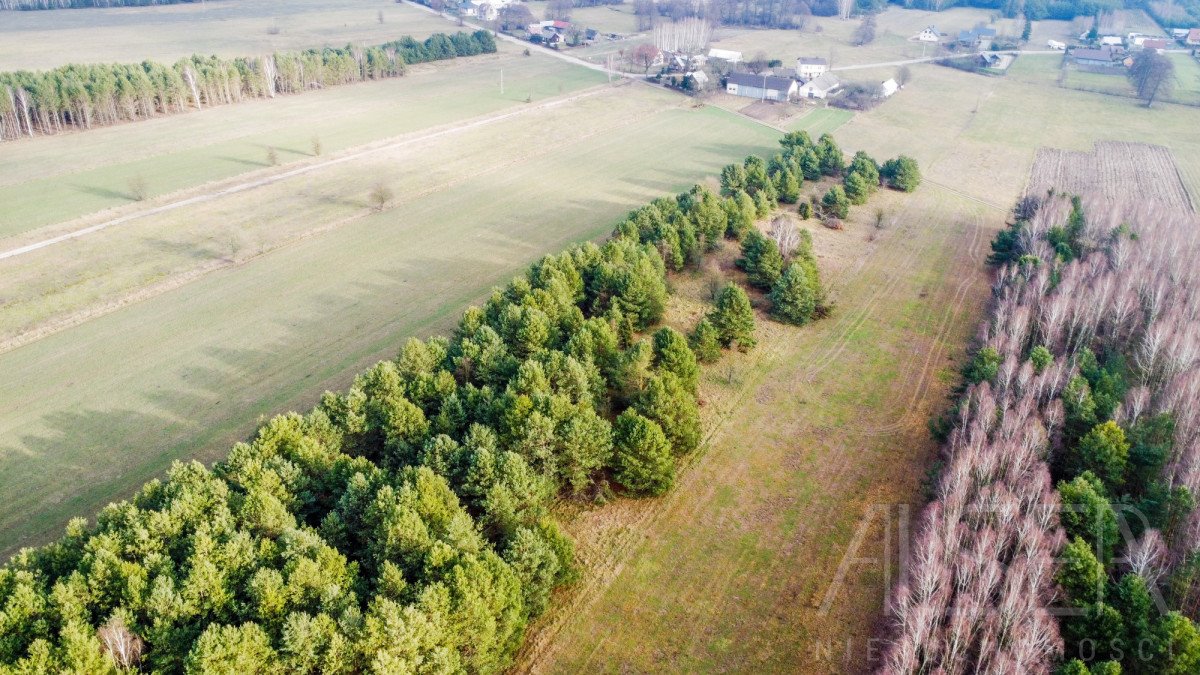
{"x": 380, "y": 196}
{"x": 786, "y": 235}
{"x": 644, "y": 56}
{"x": 1152, "y": 75}
{"x": 139, "y": 189}
{"x": 758, "y": 64}
{"x": 121, "y": 645}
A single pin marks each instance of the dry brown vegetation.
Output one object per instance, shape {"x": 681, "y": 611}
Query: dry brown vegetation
{"x": 1116, "y": 169}
{"x": 981, "y": 570}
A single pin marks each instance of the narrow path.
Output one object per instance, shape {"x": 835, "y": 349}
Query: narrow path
{"x": 307, "y": 168}
{"x": 929, "y": 59}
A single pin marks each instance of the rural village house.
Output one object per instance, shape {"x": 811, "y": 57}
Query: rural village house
{"x": 930, "y": 34}
{"x": 1193, "y": 37}
{"x": 821, "y": 87}
{"x": 888, "y": 87}
{"x": 811, "y": 67}
{"x": 975, "y": 36}
{"x": 1107, "y": 57}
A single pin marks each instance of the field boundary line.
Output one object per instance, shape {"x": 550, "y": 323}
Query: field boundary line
{"x": 188, "y": 276}
{"x": 307, "y": 168}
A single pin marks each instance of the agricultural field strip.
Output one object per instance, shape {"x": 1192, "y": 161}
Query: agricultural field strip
{"x": 33, "y": 40}
{"x": 1158, "y": 176}
{"x": 319, "y": 164}
{"x": 14, "y": 340}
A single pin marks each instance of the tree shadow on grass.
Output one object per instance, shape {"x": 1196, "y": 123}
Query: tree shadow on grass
{"x": 243, "y": 161}
{"x": 107, "y": 193}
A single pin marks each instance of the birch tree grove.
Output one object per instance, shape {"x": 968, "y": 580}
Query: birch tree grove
{"x": 686, "y": 36}
{"x": 982, "y": 570}
{"x": 85, "y": 96}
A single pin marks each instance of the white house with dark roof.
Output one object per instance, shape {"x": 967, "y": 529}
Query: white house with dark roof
{"x": 930, "y": 34}
{"x": 811, "y": 67}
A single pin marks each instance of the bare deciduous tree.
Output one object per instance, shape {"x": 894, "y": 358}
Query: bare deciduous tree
{"x": 139, "y": 189}
{"x": 786, "y": 235}
{"x": 121, "y": 645}
{"x": 644, "y": 56}
{"x": 380, "y": 196}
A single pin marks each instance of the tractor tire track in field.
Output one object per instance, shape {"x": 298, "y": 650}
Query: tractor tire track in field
{"x": 605, "y": 560}
{"x": 182, "y": 278}
{"x": 316, "y": 165}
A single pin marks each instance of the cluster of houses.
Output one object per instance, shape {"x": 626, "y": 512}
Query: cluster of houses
{"x": 1114, "y": 51}
{"x": 810, "y": 80}
{"x": 975, "y": 38}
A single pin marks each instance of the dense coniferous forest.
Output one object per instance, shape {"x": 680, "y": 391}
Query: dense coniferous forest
{"x": 84, "y": 96}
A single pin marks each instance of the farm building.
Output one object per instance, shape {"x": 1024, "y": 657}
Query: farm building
{"x": 888, "y": 87}
{"x": 725, "y": 55}
{"x": 1157, "y": 45}
{"x": 930, "y": 34}
{"x": 1112, "y": 41}
{"x": 762, "y": 87}
{"x": 975, "y": 36}
{"x": 821, "y": 87}
{"x": 1102, "y": 58}
{"x": 811, "y": 67}
{"x": 995, "y": 61}
{"x": 1055, "y": 44}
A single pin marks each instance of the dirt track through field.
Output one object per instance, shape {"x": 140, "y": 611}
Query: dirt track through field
{"x": 309, "y": 167}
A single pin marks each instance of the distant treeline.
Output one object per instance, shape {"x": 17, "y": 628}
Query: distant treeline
{"x": 84, "y": 96}
{"x": 81, "y": 4}
{"x": 1034, "y": 9}
{"x": 797, "y": 13}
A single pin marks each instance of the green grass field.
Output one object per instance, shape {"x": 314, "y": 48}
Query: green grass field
{"x": 820, "y": 121}
{"x": 53, "y": 179}
{"x": 46, "y": 39}
{"x": 1047, "y": 70}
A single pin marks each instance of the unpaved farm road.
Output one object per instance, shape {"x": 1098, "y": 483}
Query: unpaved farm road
{"x": 928, "y": 59}
{"x": 350, "y": 155}
{"x": 527, "y": 45}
